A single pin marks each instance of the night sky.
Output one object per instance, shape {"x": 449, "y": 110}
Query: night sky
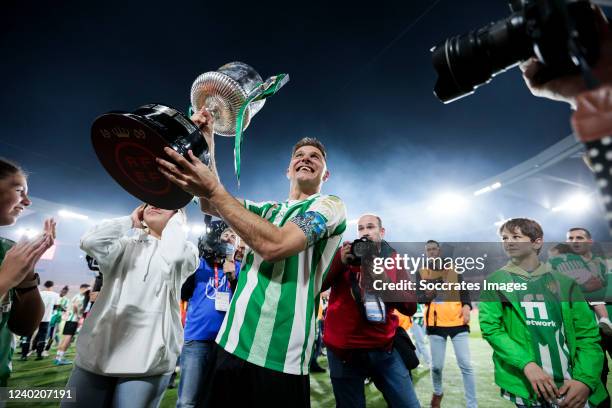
{"x": 361, "y": 81}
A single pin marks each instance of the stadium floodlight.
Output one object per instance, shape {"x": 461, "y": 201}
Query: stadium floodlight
{"x": 576, "y": 203}
{"x": 71, "y": 214}
{"x": 198, "y": 229}
{"x": 488, "y": 188}
{"x": 448, "y": 203}
{"x": 27, "y": 232}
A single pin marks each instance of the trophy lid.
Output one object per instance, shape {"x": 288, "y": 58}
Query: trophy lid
{"x": 223, "y": 92}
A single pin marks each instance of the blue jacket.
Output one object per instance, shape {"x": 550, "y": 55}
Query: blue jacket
{"x": 203, "y": 320}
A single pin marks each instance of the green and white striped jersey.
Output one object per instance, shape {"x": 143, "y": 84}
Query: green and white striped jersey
{"x": 544, "y": 320}
{"x": 271, "y": 318}
{"x": 581, "y": 270}
{"x": 77, "y": 300}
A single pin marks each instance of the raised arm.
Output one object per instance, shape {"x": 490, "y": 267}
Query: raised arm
{"x": 103, "y": 241}
{"x": 176, "y": 250}
{"x": 271, "y": 242}
{"x": 204, "y": 120}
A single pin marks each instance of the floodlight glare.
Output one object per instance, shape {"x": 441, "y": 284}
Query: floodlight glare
{"x": 487, "y": 189}
{"x": 71, "y": 214}
{"x": 198, "y": 229}
{"x": 448, "y": 203}
{"x": 27, "y": 232}
{"x": 576, "y": 204}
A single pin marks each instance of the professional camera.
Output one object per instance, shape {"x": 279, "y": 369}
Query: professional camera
{"x": 561, "y": 34}
{"x": 210, "y": 244}
{"x": 361, "y": 248}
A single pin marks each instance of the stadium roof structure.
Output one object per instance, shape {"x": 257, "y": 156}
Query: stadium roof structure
{"x": 554, "y": 187}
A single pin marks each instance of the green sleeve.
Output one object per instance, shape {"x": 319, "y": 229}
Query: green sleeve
{"x": 588, "y": 361}
{"x": 494, "y": 332}
{"x": 258, "y": 208}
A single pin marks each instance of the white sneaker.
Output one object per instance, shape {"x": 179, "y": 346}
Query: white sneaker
{"x": 606, "y": 326}
{"x": 45, "y": 353}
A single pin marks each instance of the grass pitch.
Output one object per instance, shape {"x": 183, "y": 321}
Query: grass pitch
{"x": 44, "y": 374}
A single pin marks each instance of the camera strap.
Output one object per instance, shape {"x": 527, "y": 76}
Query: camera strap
{"x": 371, "y": 306}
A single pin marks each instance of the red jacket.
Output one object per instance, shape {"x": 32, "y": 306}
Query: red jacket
{"x": 345, "y": 326}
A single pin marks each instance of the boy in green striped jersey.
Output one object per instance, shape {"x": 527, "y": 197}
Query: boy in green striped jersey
{"x": 266, "y": 339}
{"x": 545, "y": 352}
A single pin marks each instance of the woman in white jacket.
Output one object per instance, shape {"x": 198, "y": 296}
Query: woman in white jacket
{"x": 129, "y": 343}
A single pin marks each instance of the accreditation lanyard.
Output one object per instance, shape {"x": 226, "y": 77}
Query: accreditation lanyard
{"x": 216, "y": 276}
{"x": 216, "y": 267}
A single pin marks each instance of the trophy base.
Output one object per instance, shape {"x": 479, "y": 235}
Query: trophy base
{"x": 127, "y": 145}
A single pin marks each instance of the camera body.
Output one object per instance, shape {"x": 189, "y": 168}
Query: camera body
{"x": 559, "y": 33}
{"x": 361, "y": 248}
{"x": 210, "y": 244}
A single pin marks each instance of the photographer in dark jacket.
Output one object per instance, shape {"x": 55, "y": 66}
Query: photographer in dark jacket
{"x": 360, "y": 343}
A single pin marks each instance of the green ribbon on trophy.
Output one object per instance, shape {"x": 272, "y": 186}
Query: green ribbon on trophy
{"x": 263, "y": 91}
{"x": 233, "y": 94}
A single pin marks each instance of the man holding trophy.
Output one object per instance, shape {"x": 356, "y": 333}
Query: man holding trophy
{"x": 266, "y": 338}
{"x": 164, "y": 158}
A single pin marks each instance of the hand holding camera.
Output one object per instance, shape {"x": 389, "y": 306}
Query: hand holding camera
{"x": 345, "y": 253}
{"x": 558, "y": 33}
{"x": 567, "y": 88}
{"x": 352, "y": 253}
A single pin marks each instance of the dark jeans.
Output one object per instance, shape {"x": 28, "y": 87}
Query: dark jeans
{"x": 386, "y": 369}
{"x": 39, "y": 341}
{"x": 243, "y": 384}
{"x": 195, "y": 357}
{"x": 318, "y": 343}
{"x": 50, "y": 336}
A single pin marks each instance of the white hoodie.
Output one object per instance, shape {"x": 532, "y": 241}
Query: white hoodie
{"x": 134, "y": 327}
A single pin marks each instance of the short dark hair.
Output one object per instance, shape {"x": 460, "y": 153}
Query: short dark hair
{"x": 85, "y": 285}
{"x": 433, "y": 241}
{"x": 586, "y": 231}
{"x": 9, "y": 168}
{"x": 48, "y": 284}
{"x": 527, "y": 227}
{"x": 310, "y": 141}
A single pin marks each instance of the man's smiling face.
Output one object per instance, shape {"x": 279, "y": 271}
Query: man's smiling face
{"x": 307, "y": 166}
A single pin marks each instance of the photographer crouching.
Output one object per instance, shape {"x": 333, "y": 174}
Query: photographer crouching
{"x": 360, "y": 328}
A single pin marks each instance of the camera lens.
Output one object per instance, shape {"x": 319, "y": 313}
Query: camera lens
{"x": 467, "y": 61}
{"x": 360, "y": 249}
{"x": 363, "y": 248}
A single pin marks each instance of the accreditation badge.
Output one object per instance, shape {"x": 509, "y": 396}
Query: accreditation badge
{"x": 222, "y": 301}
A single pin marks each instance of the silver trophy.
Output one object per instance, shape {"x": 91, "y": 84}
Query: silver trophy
{"x": 224, "y": 91}
{"x": 233, "y": 94}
